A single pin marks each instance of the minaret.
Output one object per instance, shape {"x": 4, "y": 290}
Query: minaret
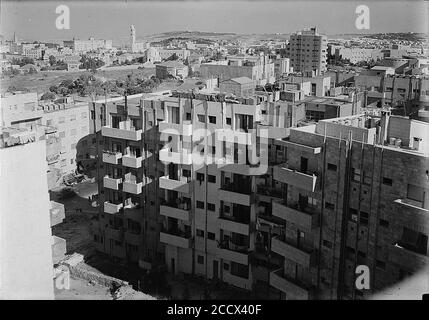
{"x": 15, "y": 38}
{"x": 132, "y": 35}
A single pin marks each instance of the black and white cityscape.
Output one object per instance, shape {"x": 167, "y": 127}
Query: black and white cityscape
{"x": 212, "y": 150}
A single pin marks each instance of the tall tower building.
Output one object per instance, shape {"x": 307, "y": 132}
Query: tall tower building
{"x": 307, "y": 51}
{"x": 132, "y": 35}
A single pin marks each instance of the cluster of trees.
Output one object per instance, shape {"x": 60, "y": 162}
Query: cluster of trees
{"x": 23, "y": 61}
{"x": 88, "y": 84}
{"x": 55, "y": 64}
{"x": 90, "y": 63}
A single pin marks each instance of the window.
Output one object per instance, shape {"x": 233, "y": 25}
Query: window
{"x": 71, "y": 161}
{"x": 200, "y": 259}
{"x": 212, "y": 119}
{"x": 211, "y": 206}
{"x": 356, "y": 174}
{"x": 332, "y": 167}
{"x": 327, "y": 244}
{"x": 186, "y": 173}
{"x": 200, "y": 205}
{"x": 201, "y": 118}
{"x": 383, "y": 223}
{"x": 387, "y": 181}
{"x": 92, "y": 114}
{"x": 226, "y": 266}
{"x": 211, "y": 178}
{"x": 228, "y": 121}
{"x": 200, "y": 177}
{"x": 188, "y": 116}
{"x": 200, "y": 233}
{"x": 211, "y": 236}
{"x": 329, "y": 206}
{"x": 364, "y": 218}
{"x": 240, "y": 270}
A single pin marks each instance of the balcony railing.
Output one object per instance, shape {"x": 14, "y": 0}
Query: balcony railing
{"x": 182, "y": 185}
{"x": 179, "y": 157}
{"x": 304, "y": 217}
{"x": 125, "y": 131}
{"x": 176, "y": 209}
{"x": 234, "y": 224}
{"x": 269, "y": 191}
{"x": 294, "y": 290}
{"x": 303, "y": 180}
{"x": 230, "y": 251}
{"x": 175, "y": 237}
{"x": 111, "y": 157}
{"x": 132, "y": 161}
{"x": 112, "y": 208}
{"x": 133, "y": 187}
{"x": 299, "y": 254}
{"x": 184, "y": 129}
{"x": 111, "y": 183}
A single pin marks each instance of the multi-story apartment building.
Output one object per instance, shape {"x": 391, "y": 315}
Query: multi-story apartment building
{"x": 354, "y": 192}
{"x": 177, "y": 189}
{"x": 70, "y": 122}
{"x": 307, "y": 51}
{"x": 70, "y": 145}
{"x": 258, "y": 68}
{"x": 231, "y": 189}
{"x": 82, "y": 46}
{"x": 27, "y": 248}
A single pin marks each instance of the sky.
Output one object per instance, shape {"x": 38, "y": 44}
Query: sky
{"x": 35, "y": 20}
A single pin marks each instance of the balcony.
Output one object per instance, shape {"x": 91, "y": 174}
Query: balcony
{"x": 175, "y": 238}
{"x": 57, "y": 213}
{"x": 234, "y": 195}
{"x": 112, "y": 208}
{"x": 298, "y": 146}
{"x": 305, "y": 181}
{"x": 306, "y": 220}
{"x": 133, "y": 187}
{"x": 273, "y": 132}
{"x": 183, "y": 129}
{"x": 407, "y": 258}
{"x": 232, "y": 252}
{"x": 182, "y": 185}
{"x": 292, "y": 289}
{"x": 182, "y": 157}
{"x": 232, "y": 224}
{"x": 111, "y": 157}
{"x": 179, "y": 211}
{"x": 125, "y": 131}
{"x": 235, "y": 136}
{"x": 412, "y": 206}
{"x": 59, "y": 249}
{"x": 111, "y": 183}
{"x": 131, "y": 161}
{"x": 269, "y": 191}
{"x": 242, "y": 168}
{"x": 303, "y": 256}
{"x": 115, "y": 234}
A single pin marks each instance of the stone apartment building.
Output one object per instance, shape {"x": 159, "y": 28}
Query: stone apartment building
{"x": 307, "y": 51}
{"x": 66, "y": 124}
{"x": 354, "y": 192}
{"x": 177, "y": 190}
{"x": 28, "y": 250}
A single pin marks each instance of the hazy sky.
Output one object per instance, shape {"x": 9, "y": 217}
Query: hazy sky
{"x": 35, "y": 20}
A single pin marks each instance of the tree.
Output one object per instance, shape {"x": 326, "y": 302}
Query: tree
{"x": 48, "y": 96}
{"x": 52, "y": 60}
